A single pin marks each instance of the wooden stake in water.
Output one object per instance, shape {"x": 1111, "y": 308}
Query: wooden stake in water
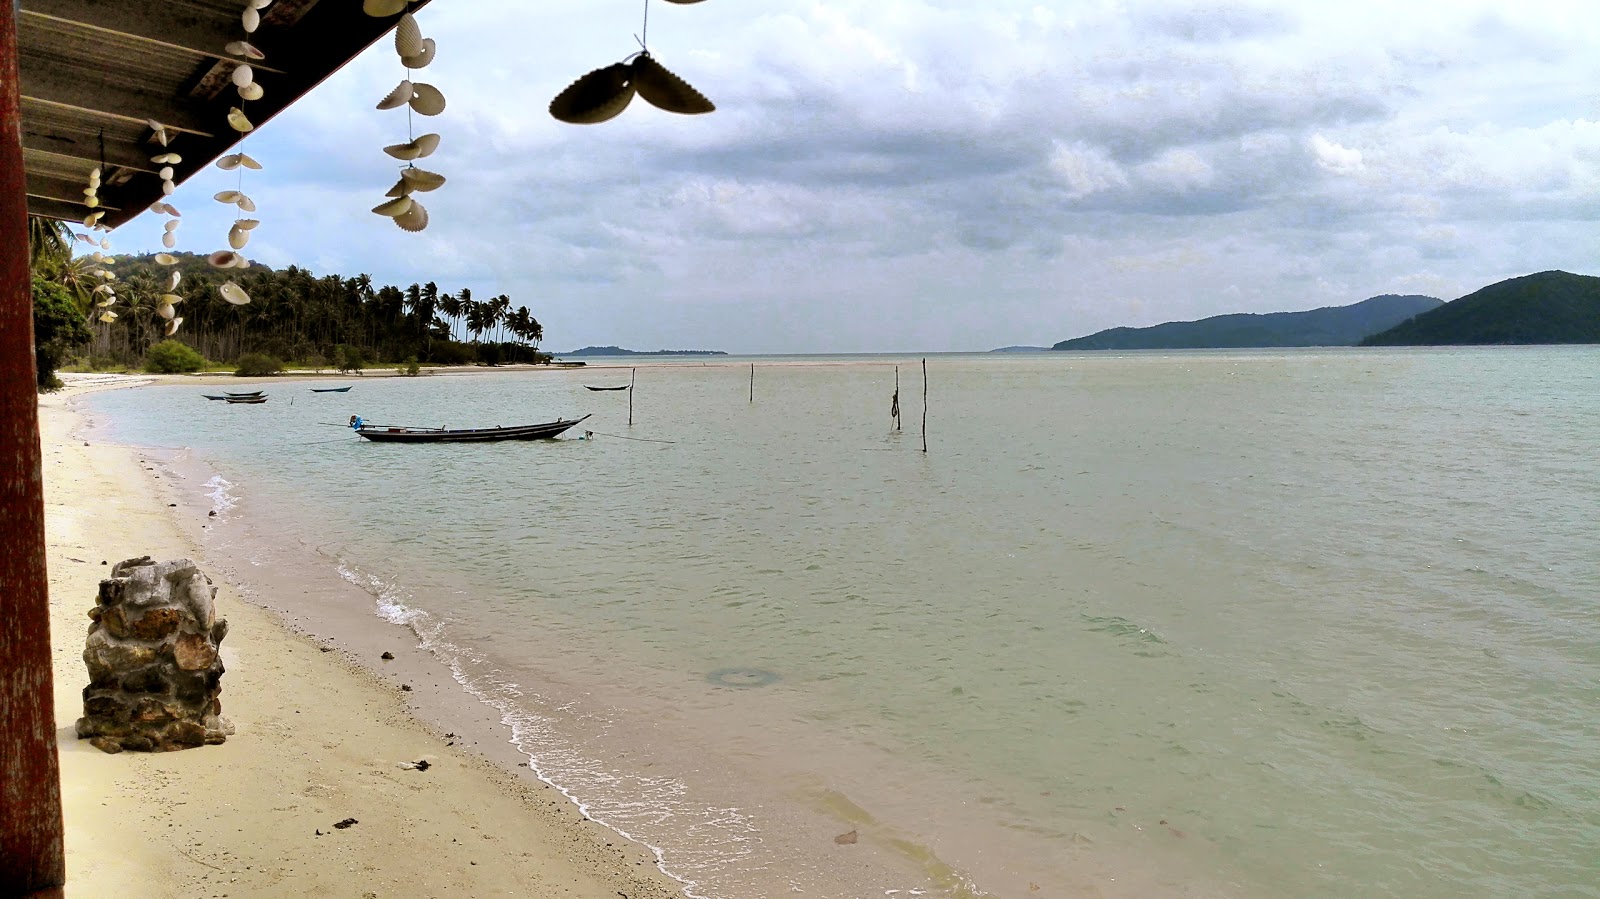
{"x": 924, "y": 404}
{"x": 752, "y": 382}
{"x": 631, "y": 373}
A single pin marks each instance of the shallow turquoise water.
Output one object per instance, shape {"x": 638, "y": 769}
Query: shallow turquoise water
{"x": 1314, "y": 623}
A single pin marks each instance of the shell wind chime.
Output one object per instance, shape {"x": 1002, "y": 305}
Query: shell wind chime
{"x": 244, "y": 82}
{"x": 105, "y": 292}
{"x": 419, "y": 98}
{"x": 604, "y": 93}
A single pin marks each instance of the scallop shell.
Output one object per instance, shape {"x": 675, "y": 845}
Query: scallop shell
{"x": 400, "y": 96}
{"x": 394, "y": 207}
{"x": 94, "y": 177}
{"x": 222, "y": 259}
{"x": 93, "y": 217}
{"x": 171, "y": 225}
{"x": 166, "y": 311}
{"x": 166, "y": 259}
{"x": 251, "y": 19}
{"x": 166, "y": 173}
{"x": 85, "y": 238}
{"x": 238, "y": 237}
{"x": 234, "y": 160}
{"x": 400, "y": 189}
{"x": 171, "y": 298}
{"x": 167, "y": 187}
{"x": 237, "y": 121}
{"x": 172, "y": 326}
{"x": 227, "y": 196}
{"x": 166, "y": 159}
{"x": 251, "y": 91}
{"x": 245, "y": 49}
{"x": 91, "y": 201}
{"x": 169, "y": 240}
{"x": 246, "y": 204}
{"x": 422, "y": 146}
{"x": 260, "y": 4}
{"x": 233, "y": 293}
{"x": 600, "y": 95}
{"x": 247, "y": 224}
{"x": 413, "y": 219}
{"x": 664, "y": 90}
{"x": 407, "y": 36}
{"x": 241, "y": 262}
{"x": 382, "y": 9}
{"x": 172, "y": 280}
{"x": 422, "y": 179}
{"x": 243, "y": 75}
{"x": 108, "y": 316}
{"x": 428, "y": 101}
{"x": 420, "y": 59}
{"x": 103, "y": 288}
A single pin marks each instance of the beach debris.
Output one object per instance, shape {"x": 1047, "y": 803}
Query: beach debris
{"x": 346, "y": 823}
{"x": 405, "y": 688}
{"x": 387, "y": 656}
{"x": 418, "y": 765}
{"x": 155, "y": 669}
{"x": 847, "y": 839}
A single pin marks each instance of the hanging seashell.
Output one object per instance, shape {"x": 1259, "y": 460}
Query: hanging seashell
{"x": 398, "y": 97}
{"x": 247, "y": 224}
{"x": 166, "y": 173}
{"x": 251, "y": 91}
{"x": 407, "y": 36}
{"x": 241, "y": 262}
{"x": 251, "y": 19}
{"x": 171, "y": 298}
{"x": 107, "y": 303}
{"x": 109, "y": 276}
{"x": 169, "y": 240}
{"x": 413, "y": 219}
{"x": 105, "y": 244}
{"x": 166, "y": 159}
{"x": 109, "y": 260}
{"x": 91, "y": 201}
{"x": 382, "y": 9}
{"x": 167, "y": 187}
{"x": 243, "y": 75}
{"x": 237, "y": 121}
{"x": 171, "y": 225}
{"x": 600, "y": 95}
{"x": 233, "y": 161}
{"x": 222, "y": 259}
{"x": 247, "y": 204}
{"x": 166, "y": 259}
{"x": 245, "y": 49}
{"x": 421, "y": 179}
{"x": 166, "y": 311}
{"x": 157, "y": 131}
{"x": 260, "y": 4}
{"x": 94, "y": 177}
{"x": 172, "y": 280}
{"x": 400, "y": 189}
{"x": 172, "y": 326}
{"x": 238, "y": 237}
{"x": 103, "y": 288}
{"x": 92, "y": 218}
{"x": 233, "y": 293}
{"x": 108, "y": 316}
{"x": 422, "y": 146}
{"x": 421, "y": 59}
{"x": 90, "y": 191}
{"x": 428, "y": 101}
{"x": 394, "y": 207}
{"x": 664, "y": 90}
{"x": 227, "y": 196}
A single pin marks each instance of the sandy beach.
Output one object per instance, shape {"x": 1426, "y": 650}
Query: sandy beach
{"x": 320, "y": 740}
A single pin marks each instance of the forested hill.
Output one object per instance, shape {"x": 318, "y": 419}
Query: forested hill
{"x": 1328, "y": 326}
{"x": 1549, "y": 307}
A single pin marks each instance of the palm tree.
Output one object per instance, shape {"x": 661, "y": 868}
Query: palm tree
{"x": 450, "y": 305}
{"x": 49, "y": 244}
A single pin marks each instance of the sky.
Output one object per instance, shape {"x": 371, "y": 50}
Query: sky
{"x": 935, "y": 175}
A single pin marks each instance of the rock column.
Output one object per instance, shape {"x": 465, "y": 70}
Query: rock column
{"x": 154, "y": 668}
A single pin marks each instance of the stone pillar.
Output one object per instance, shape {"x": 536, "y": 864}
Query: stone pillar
{"x": 154, "y": 668}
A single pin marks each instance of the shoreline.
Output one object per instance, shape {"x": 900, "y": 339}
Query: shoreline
{"x": 320, "y": 738}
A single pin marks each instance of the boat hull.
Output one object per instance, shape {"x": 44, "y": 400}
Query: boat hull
{"x": 543, "y": 431}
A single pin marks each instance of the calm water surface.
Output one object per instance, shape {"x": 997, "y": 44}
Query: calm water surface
{"x": 1319, "y": 623}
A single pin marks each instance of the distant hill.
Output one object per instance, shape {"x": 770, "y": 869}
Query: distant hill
{"x": 1021, "y": 349}
{"x": 1549, "y": 307}
{"x": 1328, "y": 326}
{"x": 619, "y": 351}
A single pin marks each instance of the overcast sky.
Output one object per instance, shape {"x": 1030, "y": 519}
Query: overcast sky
{"x": 928, "y": 175}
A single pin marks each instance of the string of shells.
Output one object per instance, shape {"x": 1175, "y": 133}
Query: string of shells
{"x": 420, "y": 98}
{"x": 97, "y": 236}
{"x": 244, "y": 82}
{"x": 604, "y": 93}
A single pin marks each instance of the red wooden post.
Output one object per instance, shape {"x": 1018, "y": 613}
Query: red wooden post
{"x": 32, "y": 862}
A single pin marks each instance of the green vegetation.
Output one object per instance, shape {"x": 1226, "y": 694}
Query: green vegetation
{"x": 172, "y": 357}
{"x": 410, "y": 369}
{"x": 1328, "y": 326}
{"x": 257, "y": 364}
{"x": 58, "y": 323}
{"x": 1549, "y": 307}
{"x": 348, "y": 359}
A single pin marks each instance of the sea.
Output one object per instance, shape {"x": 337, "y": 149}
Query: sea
{"x": 1319, "y": 623}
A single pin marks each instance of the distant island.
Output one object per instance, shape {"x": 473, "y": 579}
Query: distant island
{"x": 1549, "y": 307}
{"x": 1328, "y": 326}
{"x": 1022, "y": 349}
{"x": 619, "y": 351}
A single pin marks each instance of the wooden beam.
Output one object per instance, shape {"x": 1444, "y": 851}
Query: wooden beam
{"x": 32, "y": 855}
{"x": 178, "y": 27}
{"x": 118, "y": 155}
{"x": 56, "y": 209}
{"x": 41, "y": 85}
{"x": 49, "y": 188}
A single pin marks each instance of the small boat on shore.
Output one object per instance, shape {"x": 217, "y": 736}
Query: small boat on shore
{"x": 345, "y": 389}
{"x": 389, "y": 434}
{"x": 587, "y": 387}
{"x": 248, "y": 393}
{"x": 247, "y": 400}
{"x": 214, "y": 397}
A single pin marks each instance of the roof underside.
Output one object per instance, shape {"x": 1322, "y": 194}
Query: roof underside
{"x": 96, "y": 72}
